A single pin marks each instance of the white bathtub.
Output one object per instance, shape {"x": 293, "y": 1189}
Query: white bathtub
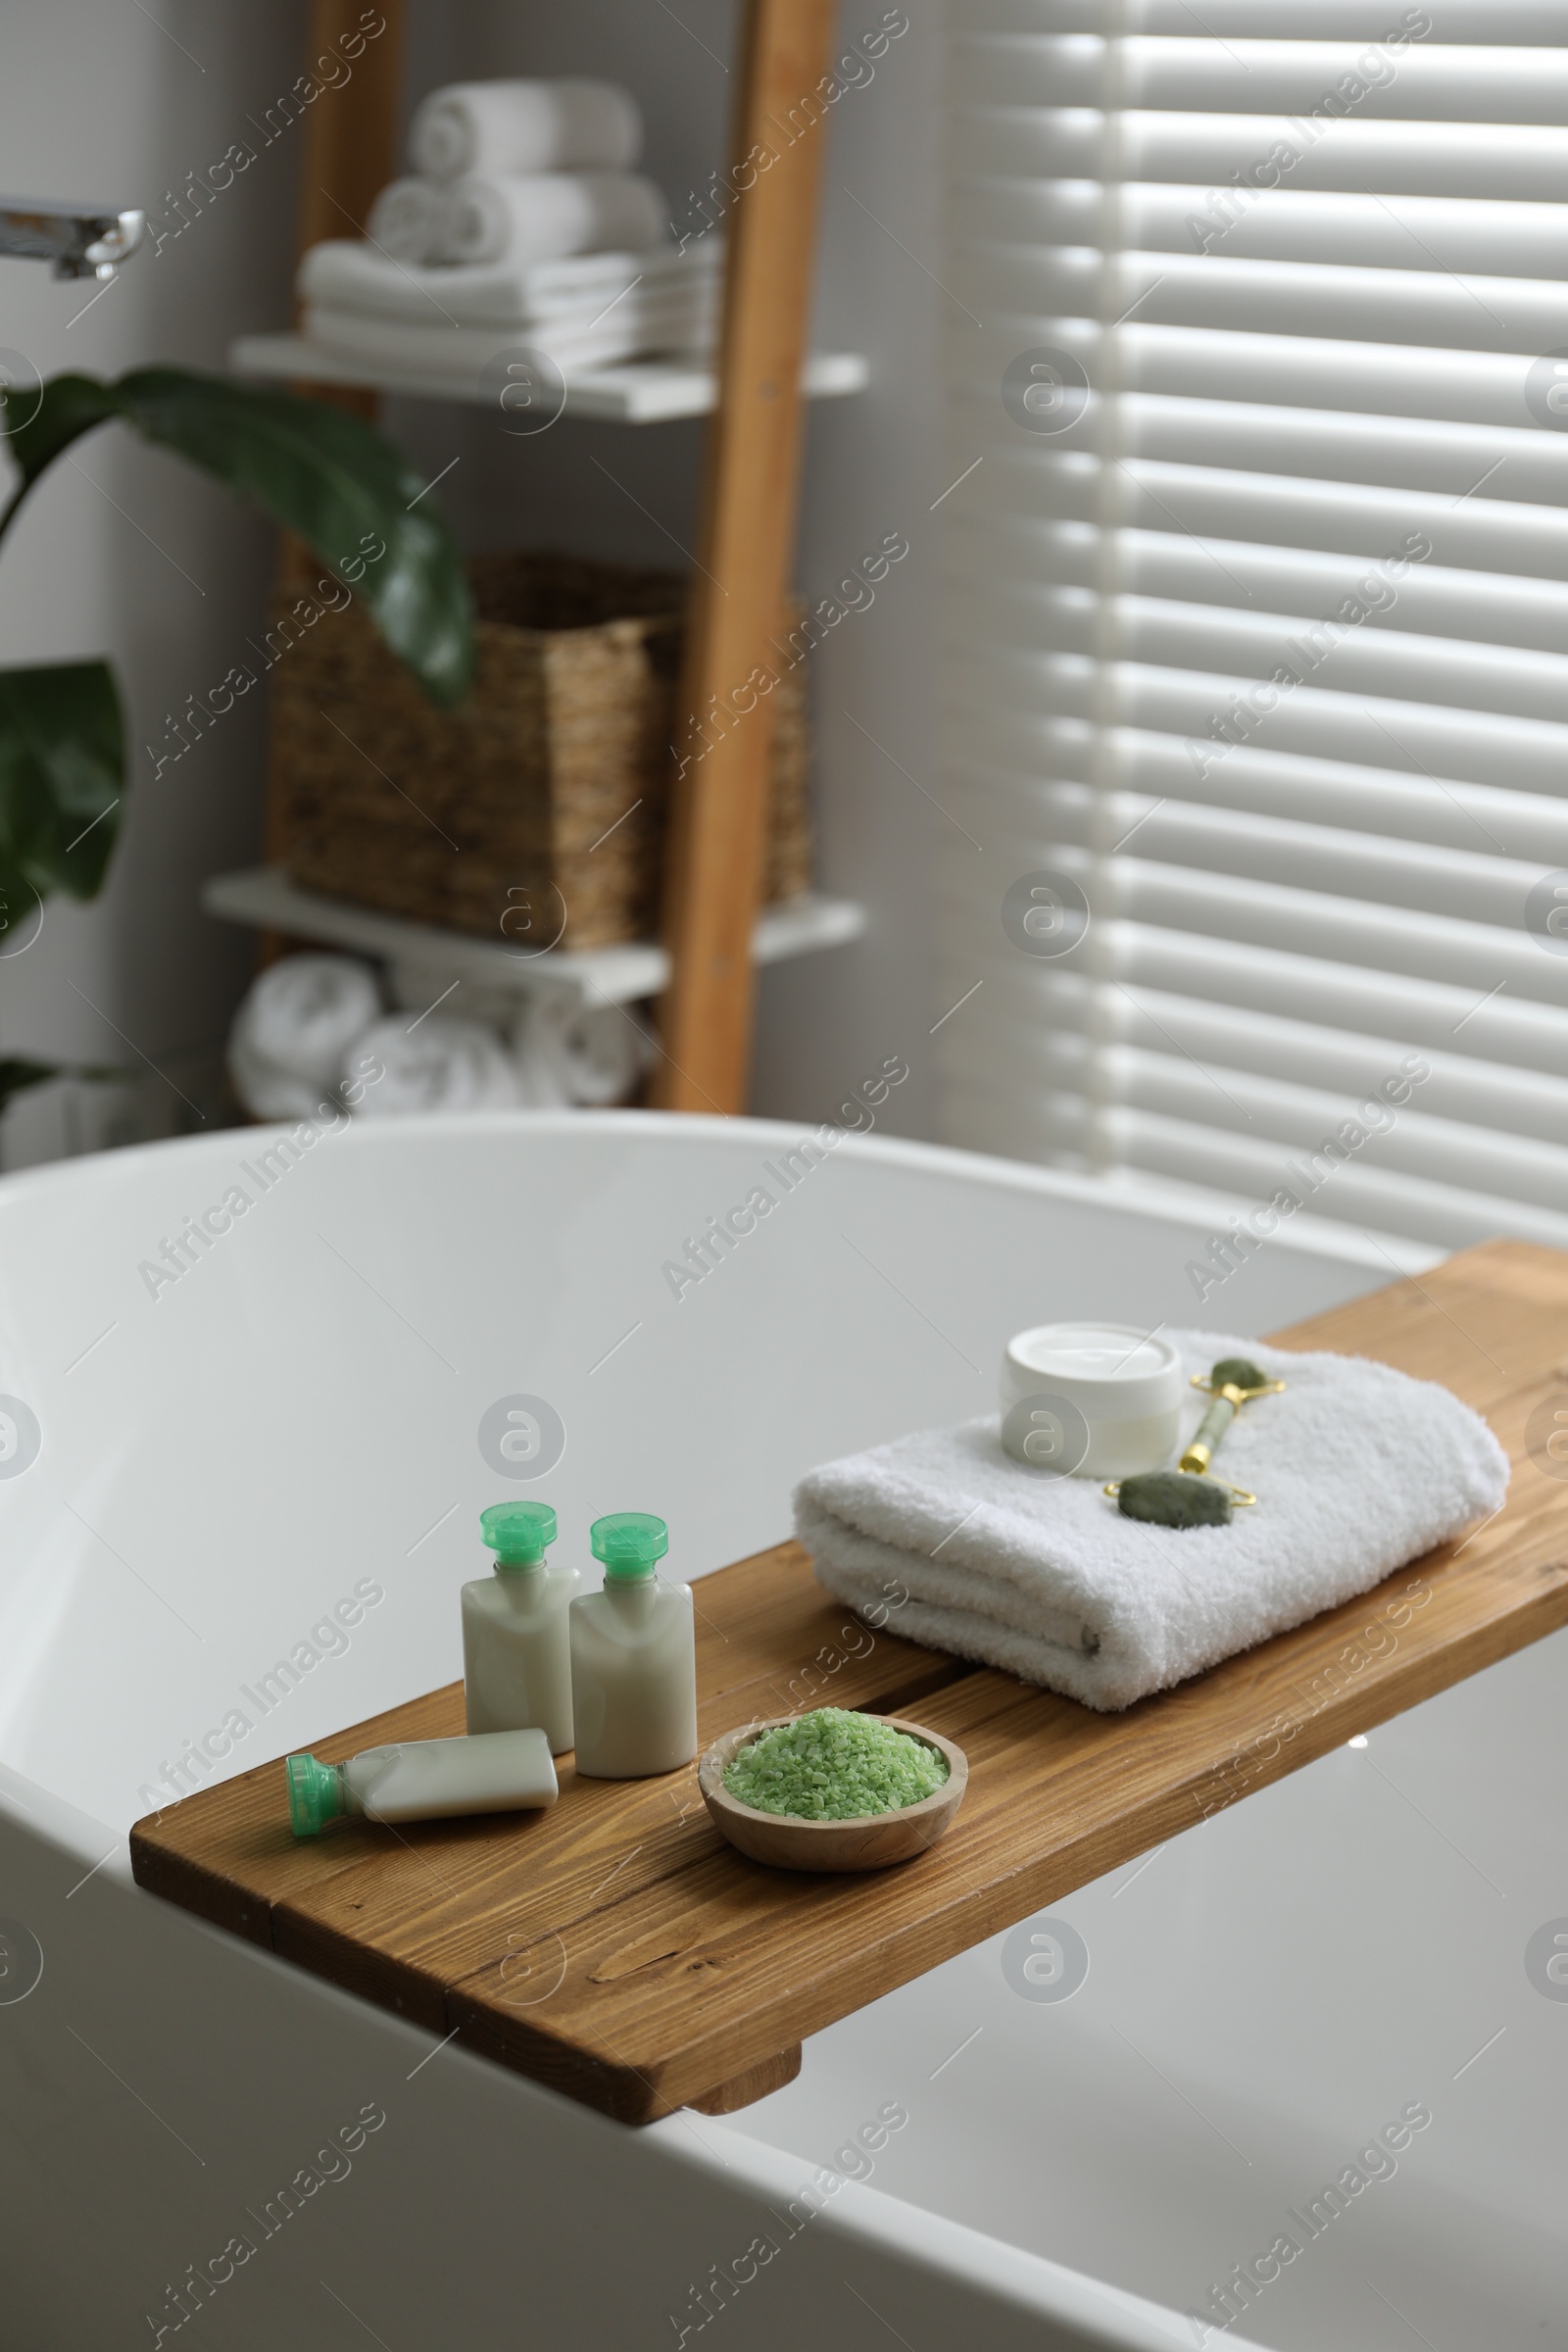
{"x": 222, "y": 1462}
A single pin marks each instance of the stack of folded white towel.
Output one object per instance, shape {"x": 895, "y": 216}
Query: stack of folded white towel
{"x": 522, "y": 223}
{"x": 311, "y": 1034}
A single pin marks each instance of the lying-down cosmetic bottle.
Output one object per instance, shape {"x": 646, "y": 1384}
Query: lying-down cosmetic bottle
{"x": 419, "y": 1780}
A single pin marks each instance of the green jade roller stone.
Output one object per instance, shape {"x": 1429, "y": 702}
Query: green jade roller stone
{"x": 1177, "y": 1498}
{"x": 1174, "y": 1499}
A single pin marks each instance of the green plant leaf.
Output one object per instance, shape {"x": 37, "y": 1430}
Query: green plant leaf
{"x": 69, "y": 406}
{"x": 16, "y": 1075}
{"x": 61, "y": 769}
{"x": 323, "y": 473}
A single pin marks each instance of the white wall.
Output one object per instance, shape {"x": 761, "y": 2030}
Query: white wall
{"x": 123, "y": 552}
{"x": 134, "y": 558}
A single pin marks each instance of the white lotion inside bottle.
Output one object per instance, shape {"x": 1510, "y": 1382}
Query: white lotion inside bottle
{"x": 517, "y": 1648}
{"x": 633, "y": 1658}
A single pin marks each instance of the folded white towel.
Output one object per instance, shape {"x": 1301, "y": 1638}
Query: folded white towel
{"x": 571, "y": 1052}
{"x": 400, "y": 342}
{"x": 1357, "y": 1469}
{"x": 346, "y": 274}
{"x": 541, "y": 216}
{"x": 290, "y": 1037}
{"x": 442, "y": 1065}
{"x": 525, "y": 126}
{"x": 406, "y": 219}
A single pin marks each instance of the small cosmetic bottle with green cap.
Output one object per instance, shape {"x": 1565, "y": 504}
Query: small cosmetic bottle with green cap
{"x": 633, "y": 1657}
{"x": 516, "y": 1650}
{"x": 422, "y": 1780}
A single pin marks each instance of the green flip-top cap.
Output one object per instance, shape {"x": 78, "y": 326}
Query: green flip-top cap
{"x": 629, "y": 1542}
{"x": 315, "y": 1795}
{"x": 517, "y": 1532}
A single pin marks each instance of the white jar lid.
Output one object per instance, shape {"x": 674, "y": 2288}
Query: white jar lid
{"x": 1108, "y": 1370}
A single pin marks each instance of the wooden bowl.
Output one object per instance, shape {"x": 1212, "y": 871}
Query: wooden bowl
{"x": 865, "y": 1841}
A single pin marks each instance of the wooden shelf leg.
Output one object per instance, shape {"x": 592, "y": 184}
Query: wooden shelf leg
{"x": 349, "y": 133}
{"x": 347, "y": 152}
{"x": 719, "y": 795}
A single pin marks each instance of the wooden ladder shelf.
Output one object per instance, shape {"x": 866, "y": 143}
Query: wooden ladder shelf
{"x": 745, "y": 539}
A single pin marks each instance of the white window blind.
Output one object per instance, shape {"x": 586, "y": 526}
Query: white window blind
{"x": 1260, "y": 642}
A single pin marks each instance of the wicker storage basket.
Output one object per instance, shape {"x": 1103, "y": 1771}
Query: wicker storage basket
{"x": 509, "y": 816}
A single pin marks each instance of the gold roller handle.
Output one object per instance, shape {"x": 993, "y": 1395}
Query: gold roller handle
{"x": 1209, "y": 1431}
{"x": 1228, "y": 1394}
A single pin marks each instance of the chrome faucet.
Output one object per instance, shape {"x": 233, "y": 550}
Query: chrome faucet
{"x": 82, "y": 240}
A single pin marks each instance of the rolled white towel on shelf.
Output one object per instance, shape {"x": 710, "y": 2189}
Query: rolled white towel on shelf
{"x": 439, "y": 1064}
{"x": 290, "y": 1035}
{"x": 540, "y": 1082}
{"x": 346, "y": 274}
{"x": 542, "y": 215}
{"x": 525, "y": 126}
{"x": 407, "y": 220}
{"x": 269, "y": 1093}
{"x": 571, "y": 1052}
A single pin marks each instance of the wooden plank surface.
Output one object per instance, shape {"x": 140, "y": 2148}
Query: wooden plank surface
{"x": 745, "y": 545}
{"x": 618, "y": 1949}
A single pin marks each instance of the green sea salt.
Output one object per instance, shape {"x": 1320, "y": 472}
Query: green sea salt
{"x": 833, "y": 1765}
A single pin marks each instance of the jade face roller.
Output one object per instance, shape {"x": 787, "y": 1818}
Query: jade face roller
{"x": 1188, "y": 1497}
{"x": 1232, "y": 1383}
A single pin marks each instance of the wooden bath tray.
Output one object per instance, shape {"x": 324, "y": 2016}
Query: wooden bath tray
{"x": 618, "y": 1950}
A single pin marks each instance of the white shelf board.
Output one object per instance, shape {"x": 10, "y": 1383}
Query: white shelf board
{"x": 639, "y": 392}
{"x": 264, "y": 895}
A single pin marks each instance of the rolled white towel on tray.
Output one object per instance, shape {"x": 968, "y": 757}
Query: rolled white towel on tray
{"x": 292, "y": 1033}
{"x": 525, "y": 126}
{"x": 346, "y": 274}
{"x": 407, "y": 220}
{"x": 944, "y": 1539}
{"x": 436, "y": 1064}
{"x": 542, "y": 215}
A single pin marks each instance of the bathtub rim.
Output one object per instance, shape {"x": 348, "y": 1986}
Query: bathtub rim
{"x": 1130, "y": 1193}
